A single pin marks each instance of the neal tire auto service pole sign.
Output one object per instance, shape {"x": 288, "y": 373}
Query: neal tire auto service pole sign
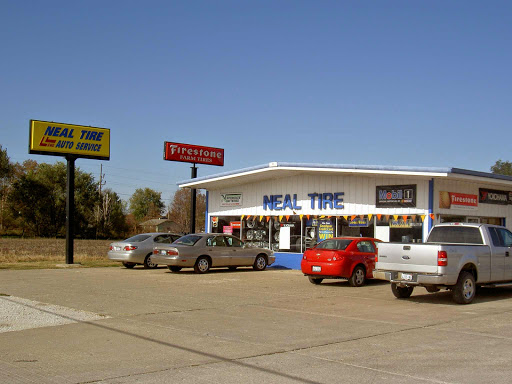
{"x": 194, "y": 154}
{"x": 72, "y": 142}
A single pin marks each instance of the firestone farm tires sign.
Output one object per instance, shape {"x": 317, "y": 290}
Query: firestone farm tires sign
{"x": 58, "y": 139}
{"x": 189, "y": 153}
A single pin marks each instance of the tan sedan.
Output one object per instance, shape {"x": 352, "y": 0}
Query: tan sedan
{"x": 203, "y": 251}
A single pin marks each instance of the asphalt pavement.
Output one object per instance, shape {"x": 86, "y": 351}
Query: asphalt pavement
{"x": 115, "y": 325}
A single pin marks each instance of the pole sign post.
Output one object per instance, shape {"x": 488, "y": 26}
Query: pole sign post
{"x": 195, "y": 154}
{"x": 72, "y": 142}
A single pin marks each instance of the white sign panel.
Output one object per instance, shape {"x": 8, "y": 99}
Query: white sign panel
{"x": 230, "y": 199}
{"x": 284, "y": 238}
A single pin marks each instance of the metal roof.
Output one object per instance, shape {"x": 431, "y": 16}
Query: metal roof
{"x": 284, "y": 169}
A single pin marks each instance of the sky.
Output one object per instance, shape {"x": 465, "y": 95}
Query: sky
{"x": 406, "y": 83}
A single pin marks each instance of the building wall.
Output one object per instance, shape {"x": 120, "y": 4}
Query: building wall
{"x": 359, "y": 195}
{"x": 472, "y": 188}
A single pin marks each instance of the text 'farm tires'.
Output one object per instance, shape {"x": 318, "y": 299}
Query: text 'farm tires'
{"x": 202, "y": 265}
{"x": 401, "y": 292}
{"x": 260, "y": 263}
{"x": 148, "y": 264}
{"x": 174, "y": 268}
{"x": 358, "y": 277}
{"x": 465, "y": 289}
{"x": 315, "y": 280}
{"x": 128, "y": 265}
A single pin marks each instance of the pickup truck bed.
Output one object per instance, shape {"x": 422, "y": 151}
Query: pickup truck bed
{"x": 457, "y": 266}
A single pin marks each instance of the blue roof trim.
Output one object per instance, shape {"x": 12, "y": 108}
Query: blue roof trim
{"x": 481, "y": 174}
{"x": 352, "y": 166}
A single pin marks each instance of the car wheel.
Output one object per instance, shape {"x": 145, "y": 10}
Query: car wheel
{"x": 128, "y": 265}
{"x": 202, "y": 265}
{"x": 260, "y": 263}
{"x": 401, "y": 292}
{"x": 174, "y": 268}
{"x": 148, "y": 264}
{"x": 358, "y": 277}
{"x": 315, "y": 280}
{"x": 465, "y": 289}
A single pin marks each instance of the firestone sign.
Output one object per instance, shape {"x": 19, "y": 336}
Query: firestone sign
{"x": 189, "y": 153}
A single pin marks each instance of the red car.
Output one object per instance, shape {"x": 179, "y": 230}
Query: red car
{"x": 351, "y": 258}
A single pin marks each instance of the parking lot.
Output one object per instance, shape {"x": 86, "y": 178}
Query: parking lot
{"x": 114, "y": 325}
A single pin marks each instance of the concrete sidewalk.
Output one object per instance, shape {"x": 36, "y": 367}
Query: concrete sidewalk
{"x": 154, "y": 326}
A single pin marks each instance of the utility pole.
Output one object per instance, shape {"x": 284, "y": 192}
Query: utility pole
{"x": 102, "y": 177}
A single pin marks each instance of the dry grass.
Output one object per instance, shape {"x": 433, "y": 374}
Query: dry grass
{"x": 49, "y": 253}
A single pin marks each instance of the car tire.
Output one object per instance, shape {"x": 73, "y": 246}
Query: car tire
{"x": 465, "y": 290}
{"x": 401, "y": 292}
{"x": 174, "y": 268}
{"x": 315, "y": 280}
{"x": 202, "y": 265}
{"x": 148, "y": 264}
{"x": 260, "y": 263}
{"x": 358, "y": 277}
{"x": 128, "y": 265}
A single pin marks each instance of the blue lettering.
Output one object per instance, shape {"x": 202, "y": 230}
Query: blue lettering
{"x": 287, "y": 202}
{"x": 64, "y": 133}
{"x": 98, "y": 138}
{"x": 313, "y": 198}
{"x": 277, "y": 202}
{"x": 295, "y": 205}
{"x": 382, "y": 194}
{"x": 327, "y": 200}
{"x": 267, "y": 202}
{"x": 49, "y": 131}
{"x": 338, "y": 200}
{"x": 56, "y": 131}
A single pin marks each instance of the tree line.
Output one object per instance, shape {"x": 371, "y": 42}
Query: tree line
{"x": 33, "y": 203}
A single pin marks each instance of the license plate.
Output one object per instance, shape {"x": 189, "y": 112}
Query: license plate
{"x": 117, "y": 248}
{"x": 316, "y": 268}
{"x": 406, "y": 276}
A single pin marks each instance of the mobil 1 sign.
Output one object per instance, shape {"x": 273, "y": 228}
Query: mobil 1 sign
{"x": 72, "y": 142}
{"x": 396, "y": 196}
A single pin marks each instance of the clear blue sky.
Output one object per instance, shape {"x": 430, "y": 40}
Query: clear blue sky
{"x": 413, "y": 83}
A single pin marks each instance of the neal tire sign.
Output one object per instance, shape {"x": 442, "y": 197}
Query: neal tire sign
{"x": 58, "y": 139}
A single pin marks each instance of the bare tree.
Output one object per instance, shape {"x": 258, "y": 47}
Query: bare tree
{"x": 179, "y": 210}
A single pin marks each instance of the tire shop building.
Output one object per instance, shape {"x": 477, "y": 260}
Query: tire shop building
{"x": 289, "y": 206}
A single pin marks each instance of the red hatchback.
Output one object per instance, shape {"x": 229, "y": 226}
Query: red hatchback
{"x": 351, "y": 258}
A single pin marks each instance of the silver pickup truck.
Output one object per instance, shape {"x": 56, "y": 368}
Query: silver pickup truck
{"x": 456, "y": 256}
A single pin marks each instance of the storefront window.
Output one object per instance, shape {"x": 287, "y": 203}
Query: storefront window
{"x": 403, "y": 230}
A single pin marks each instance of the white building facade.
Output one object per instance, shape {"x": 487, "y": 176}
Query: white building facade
{"x": 288, "y": 207}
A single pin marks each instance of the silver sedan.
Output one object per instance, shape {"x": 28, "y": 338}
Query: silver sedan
{"x": 210, "y": 250}
{"x": 139, "y": 248}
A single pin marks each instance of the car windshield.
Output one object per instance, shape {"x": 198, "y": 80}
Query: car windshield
{"x": 137, "y": 238}
{"x": 188, "y": 240}
{"x": 334, "y": 244}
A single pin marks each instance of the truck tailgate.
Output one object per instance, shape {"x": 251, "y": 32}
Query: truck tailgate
{"x": 408, "y": 257}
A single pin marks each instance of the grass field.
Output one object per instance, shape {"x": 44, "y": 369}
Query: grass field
{"x": 51, "y": 253}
